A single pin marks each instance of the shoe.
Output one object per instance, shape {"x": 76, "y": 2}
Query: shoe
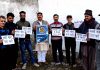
{"x": 24, "y": 66}
{"x": 46, "y": 63}
{"x": 15, "y": 69}
{"x": 63, "y": 63}
{"x": 67, "y": 64}
{"x": 53, "y": 63}
{"x": 74, "y": 65}
{"x": 36, "y": 65}
{"x": 58, "y": 63}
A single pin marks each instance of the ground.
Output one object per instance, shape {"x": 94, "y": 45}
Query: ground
{"x": 47, "y": 66}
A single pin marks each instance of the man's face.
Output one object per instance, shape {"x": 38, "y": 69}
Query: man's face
{"x": 88, "y": 18}
{"x": 2, "y": 22}
{"x": 69, "y": 20}
{"x": 22, "y": 16}
{"x": 10, "y": 19}
{"x": 55, "y": 18}
{"x": 40, "y": 17}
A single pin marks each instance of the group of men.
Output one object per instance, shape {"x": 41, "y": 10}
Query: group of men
{"x": 9, "y": 53}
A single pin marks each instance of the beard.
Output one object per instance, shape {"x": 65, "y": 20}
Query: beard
{"x": 22, "y": 19}
{"x": 90, "y": 23}
{"x": 10, "y": 21}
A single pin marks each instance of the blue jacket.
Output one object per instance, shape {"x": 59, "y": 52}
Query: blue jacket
{"x": 3, "y": 31}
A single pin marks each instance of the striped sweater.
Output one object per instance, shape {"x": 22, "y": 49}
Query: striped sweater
{"x": 53, "y": 25}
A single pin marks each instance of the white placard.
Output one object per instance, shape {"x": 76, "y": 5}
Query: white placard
{"x": 8, "y": 39}
{"x": 81, "y": 37}
{"x": 19, "y": 33}
{"x": 28, "y": 30}
{"x": 92, "y": 34}
{"x": 77, "y": 23}
{"x": 97, "y": 35}
{"x": 70, "y": 33}
{"x": 56, "y": 32}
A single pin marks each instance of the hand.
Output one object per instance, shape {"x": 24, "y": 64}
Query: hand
{"x": 1, "y": 41}
{"x": 63, "y": 30}
{"x": 34, "y": 27}
{"x": 87, "y": 34}
{"x": 88, "y": 39}
{"x": 46, "y": 41}
{"x": 13, "y": 32}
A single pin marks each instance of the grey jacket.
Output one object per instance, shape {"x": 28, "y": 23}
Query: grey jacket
{"x": 98, "y": 50}
{"x": 20, "y": 24}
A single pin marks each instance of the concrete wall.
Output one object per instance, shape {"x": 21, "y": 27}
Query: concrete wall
{"x": 76, "y": 8}
{"x": 15, "y": 6}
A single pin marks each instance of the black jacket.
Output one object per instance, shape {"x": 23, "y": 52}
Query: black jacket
{"x": 85, "y": 26}
{"x": 69, "y": 27}
{"x": 11, "y": 27}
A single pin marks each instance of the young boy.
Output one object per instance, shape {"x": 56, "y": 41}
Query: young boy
{"x": 4, "y": 58}
{"x": 70, "y": 42}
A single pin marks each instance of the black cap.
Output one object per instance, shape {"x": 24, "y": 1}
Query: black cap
{"x": 88, "y": 12}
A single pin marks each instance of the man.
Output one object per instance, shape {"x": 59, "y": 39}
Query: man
{"x": 87, "y": 50}
{"x": 25, "y": 43}
{"x": 41, "y": 52}
{"x": 56, "y": 41}
{"x": 98, "y": 51}
{"x": 4, "y": 49}
{"x": 13, "y": 50}
{"x": 70, "y": 42}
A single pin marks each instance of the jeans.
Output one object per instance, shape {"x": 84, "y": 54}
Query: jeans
{"x": 26, "y": 44}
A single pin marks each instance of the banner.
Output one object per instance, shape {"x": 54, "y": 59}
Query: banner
{"x": 19, "y": 33}
{"x": 8, "y": 39}
{"x": 70, "y": 33}
{"x": 42, "y": 33}
{"x": 56, "y": 32}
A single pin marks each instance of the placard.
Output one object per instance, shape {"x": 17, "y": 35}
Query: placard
{"x": 28, "y": 30}
{"x": 19, "y": 33}
{"x": 56, "y": 32}
{"x": 97, "y": 35}
{"x": 41, "y": 33}
{"x": 70, "y": 33}
{"x": 81, "y": 37}
{"x": 8, "y": 39}
{"x": 92, "y": 34}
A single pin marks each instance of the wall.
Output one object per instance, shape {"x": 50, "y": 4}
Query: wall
{"x": 15, "y": 6}
{"x": 76, "y": 8}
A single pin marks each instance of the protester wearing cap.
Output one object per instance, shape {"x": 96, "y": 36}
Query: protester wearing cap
{"x": 87, "y": 50}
